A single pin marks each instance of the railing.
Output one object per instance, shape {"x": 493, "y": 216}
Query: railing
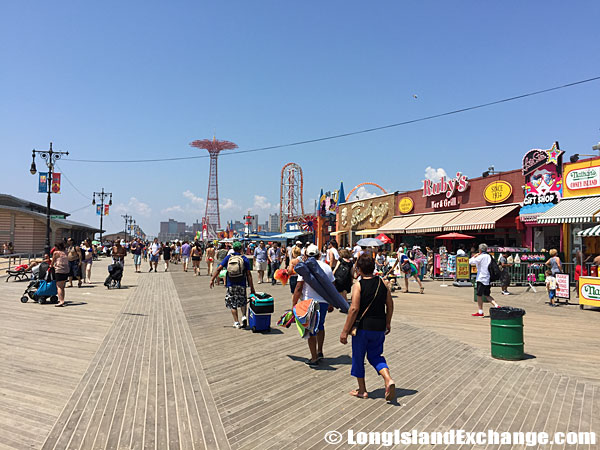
{"x": 7, "y": 262}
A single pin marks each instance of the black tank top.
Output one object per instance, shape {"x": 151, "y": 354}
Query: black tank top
{"x": 375, "y": 317}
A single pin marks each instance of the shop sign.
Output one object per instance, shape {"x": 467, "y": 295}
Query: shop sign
{"x": 463, "y": 271}
{"x": 497, "y": 192}
{"x": 448, "y": 186}
{"x": 543, "y": 177}
{"x": 562, "y": 285}
{"x": 588, "y": 177}
{"x": 445, "y": 203}
{"x": 371, "y": 212}
{"x": 589, "y": 291}
{"x": 406, "y": 205}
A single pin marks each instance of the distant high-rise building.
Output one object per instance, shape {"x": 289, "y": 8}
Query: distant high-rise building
{"x": 273, "y": 224}
{"x": 171, "y": 230}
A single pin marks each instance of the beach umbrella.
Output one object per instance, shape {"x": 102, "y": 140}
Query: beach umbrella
{"x": 383, "y": 238}
{"x": 370, "y": 242}
{"x": 455, "y": 236}
{"x": 95, "y": 242}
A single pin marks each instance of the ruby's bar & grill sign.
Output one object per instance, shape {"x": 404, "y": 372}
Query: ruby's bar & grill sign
{"x": 447, "y": 186}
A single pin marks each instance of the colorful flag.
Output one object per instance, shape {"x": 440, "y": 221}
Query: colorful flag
{"x": 106, "y": 210}
{"x": 56, "y": 183}
{"x": 99, "y": 210}
{"x": 43, "y": 186}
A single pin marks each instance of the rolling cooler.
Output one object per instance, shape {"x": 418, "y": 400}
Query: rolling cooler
{"x": 259, "y": 314}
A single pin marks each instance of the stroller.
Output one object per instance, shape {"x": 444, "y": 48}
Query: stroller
{"x": 39, "y": 273}
{"x": 115, "y": 273}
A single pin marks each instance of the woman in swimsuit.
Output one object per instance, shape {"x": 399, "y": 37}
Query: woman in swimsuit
{"x": 196, "y": 255}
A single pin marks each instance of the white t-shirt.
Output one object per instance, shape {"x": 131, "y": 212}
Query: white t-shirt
{"x": 551, "y": 283}
{"x": 482, "y": 263}
{"x": 154, "y": 248}
{"x": 309, "y": 292}
{"x": 335, "y": 253}
{"x": 356, "y": 251}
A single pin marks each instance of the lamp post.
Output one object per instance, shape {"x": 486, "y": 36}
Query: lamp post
{"x": 50, "y": 157}
{"x": 101, "y": 196}
{"x": 130, "y": 228}
{"x": 126, "y": 217}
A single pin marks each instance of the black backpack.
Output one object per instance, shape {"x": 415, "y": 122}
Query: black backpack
{"x": 342, "y": 274}
{"x": 494, "y": 270}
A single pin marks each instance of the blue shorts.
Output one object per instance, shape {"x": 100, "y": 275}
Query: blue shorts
{"x": 370, "y": 344}
{"x": 551, "y": 294}
{"x": 323, "y": 309}
{"x": 137, "y": 259}
{"x": 153, "y": 258}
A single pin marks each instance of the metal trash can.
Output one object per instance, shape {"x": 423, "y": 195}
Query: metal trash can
{"x": 507, "y": 333}
{"x": 251, "y": 261}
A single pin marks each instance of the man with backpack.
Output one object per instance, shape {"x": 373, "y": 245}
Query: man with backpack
{"x": 487, "y": 271}
{"x": 238, "y": 278}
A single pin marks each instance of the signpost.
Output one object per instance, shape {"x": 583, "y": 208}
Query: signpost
{"x": 562, "y": 286}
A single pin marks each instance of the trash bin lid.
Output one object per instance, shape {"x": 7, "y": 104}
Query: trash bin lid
{"x": 506, "y": 312}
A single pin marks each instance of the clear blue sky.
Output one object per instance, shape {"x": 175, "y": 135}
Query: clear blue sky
{"x": 142, "y": 79}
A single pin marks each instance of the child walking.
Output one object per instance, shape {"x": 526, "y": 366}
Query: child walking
{"x": 551, "y": 287}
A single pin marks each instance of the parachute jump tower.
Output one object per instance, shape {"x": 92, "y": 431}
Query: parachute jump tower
{"x": 291, "y": 205}
{"x": 212, "y": 215}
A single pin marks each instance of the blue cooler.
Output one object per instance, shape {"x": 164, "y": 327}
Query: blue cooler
{"x": 259, "y": 322}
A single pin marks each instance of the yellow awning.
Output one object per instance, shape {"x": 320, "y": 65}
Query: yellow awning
{"x": 337, "y": 233}
{"x": 368, "y": 232}
{"x": 479, "y": 219}
{"x": 399, "y": 224}
{"x": 431, "y": 223}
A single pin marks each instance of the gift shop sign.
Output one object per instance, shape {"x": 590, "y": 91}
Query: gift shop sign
{"x": 588, "y": 177}
{"x": 543, "y": 176}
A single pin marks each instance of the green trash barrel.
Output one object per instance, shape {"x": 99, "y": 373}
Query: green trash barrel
{"x": 251, "y": 261}
{"x": 507, "y": 333}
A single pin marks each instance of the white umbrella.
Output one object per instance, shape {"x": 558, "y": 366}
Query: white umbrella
{"x": 370, "y": 242}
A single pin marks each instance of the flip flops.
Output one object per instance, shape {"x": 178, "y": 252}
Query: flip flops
{"x": 354, "y": 393}
{"x": 390, "y": 393}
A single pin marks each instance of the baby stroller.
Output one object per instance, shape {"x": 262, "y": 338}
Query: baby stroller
{"x": 115, "y": 273}
{"x": 39, "y": 273}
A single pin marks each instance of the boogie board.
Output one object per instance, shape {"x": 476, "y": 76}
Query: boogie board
{"x": 311, "y": 273}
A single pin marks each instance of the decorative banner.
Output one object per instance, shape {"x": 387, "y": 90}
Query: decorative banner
{"x": 497, "y": 191}
{"x": 463, "y": 271}
{"x": 406, "y": 205}
{"x": 99, "y": 210}
{"x": 308, "y": 223}
{"x": 562, "y": 285}
{"x": 106, "y": 210}
{"x": 43, "y": 185}
{"x": 56, "y": 183}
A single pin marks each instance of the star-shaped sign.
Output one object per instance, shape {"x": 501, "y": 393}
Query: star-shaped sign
{"x": 553, "y": 154}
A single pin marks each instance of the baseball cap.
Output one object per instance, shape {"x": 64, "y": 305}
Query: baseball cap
{"x": 298, "y": 242}
{"x": 237, "y": 245}
{"x": 312, "y": 250}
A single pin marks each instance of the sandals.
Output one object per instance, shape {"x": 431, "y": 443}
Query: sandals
{"x": 354, "y": 393}
{"x": 422, "y": 289}
{"x": 390, "y": 393}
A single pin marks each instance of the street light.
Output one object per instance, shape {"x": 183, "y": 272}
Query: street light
{"x": 50, "y": 157}
{"x": 489, "y": 172}
{"x": 101, "y": 196}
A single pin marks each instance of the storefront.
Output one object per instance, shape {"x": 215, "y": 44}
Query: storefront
{"x": 579, "y": 208}
{"x": 483, "y": 207}
{"x": 362, "y": 218}
{"x": 543, "y": 189}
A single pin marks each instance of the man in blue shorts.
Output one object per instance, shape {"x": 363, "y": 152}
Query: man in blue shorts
{"x": 154, "y": 254}
{"x": 238, "y": 278}
{"x": 304, "y": 291}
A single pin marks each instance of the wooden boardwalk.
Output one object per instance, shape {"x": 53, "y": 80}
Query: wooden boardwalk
{"x": 160, "y": 366}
